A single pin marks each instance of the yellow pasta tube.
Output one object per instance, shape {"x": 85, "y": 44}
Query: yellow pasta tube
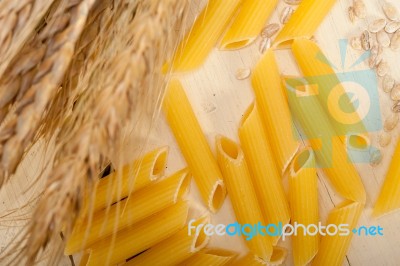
{"x": 84, "y": 258}
{"x": 329, "y": 150}
{"x": 134, "y": 176}
{"x": 266, "y": 177}
{"x": 278, "y": 258}
{"x": 139, "y": 205}
{"x": 357, "y": 142}
{"x": 194, "y": 146}
{"x": 204, "y": 35}
{"x": 240, "y": 188}
{"x": 389, "y": 197}
{"x": 214, "y": 257}
{"x": 274, "y": 109}
{"x": 249, "y": 260}
{"x": 358, "y": 148}
{"x": 139, "y": 237}
{"x": 329, "y": 91}
{"x": 304, "y": 22}
{"x": 248, "y": 23}
{"x": 174, "y": 249}
{"x": 304, "y": 205}
{"x": 334, "y": 246}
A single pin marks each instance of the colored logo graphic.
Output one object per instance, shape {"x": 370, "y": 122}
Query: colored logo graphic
{"x": 251, "y": 230}
{"x": 344, "y": 105}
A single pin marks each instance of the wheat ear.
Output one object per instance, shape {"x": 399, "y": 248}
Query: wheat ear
{"x": 34, "y": 78}
{"x": 18, "y": 20}
{"x": 97, "y": 24}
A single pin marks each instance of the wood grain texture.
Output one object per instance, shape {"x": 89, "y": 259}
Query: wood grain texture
{"x": 219, "y": 100}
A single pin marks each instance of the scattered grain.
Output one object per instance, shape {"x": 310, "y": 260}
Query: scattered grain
{"x": 375, "y": 158}
{"x": 377, "y": 25}
{"x": 383, "y": 38}
{"x": 395, "y": 41}
{"x": 264, "y": 45}
{"x": 392, "y": 26}
{"x": 396, "y": 107}
{"x": 390, "y": 11}
{"x": 242, "y": 73}
{"x": 286, "y": 14}
{"x": 395, "y": 93}
{"x": 355, "y": 43}
{"x": 384, "y": 139}
{"x": 270, "y": 30}
{"x": 352, "y": 15}
{"x": 388, "y": 83}
{"x": 391, "y": 122}
{"x": 365, "y": 40}
{"x": 359, "y": 9}
{"x": 383, "y": 68}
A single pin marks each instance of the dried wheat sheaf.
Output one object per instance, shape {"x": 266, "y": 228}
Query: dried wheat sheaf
{"x": 88, "y": 69}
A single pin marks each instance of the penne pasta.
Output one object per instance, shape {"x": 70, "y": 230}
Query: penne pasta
{"x": 194, "y": 146}
{"x": 214, "y": 257}
{"x": 274, "y": 109}
{"x": 240, "y": 188}
{"x": 248, "y": 23}
{"x": 204, "y": 35}
{"x": 304, "y": 205}
{"x": 329, "y": 150}
{"x": 357, "y": 142}
{"x": 174, "y": 249}
{"x": 304, "y": 22}
{"x": 278, "y": 258}
{"x": 358, "y": 148}
{"x": 266, "y": 177}
{"x": 139, "y": 205}
{"x": 139, "y": 237}
{"x": 334, "y": 246}
{"x": 389, "y": 197}
{"x": 249, "y": 260}
{"x": 134, "y": 176}
{"x": 312, "y": 63}
{"x": 84, "y": 258}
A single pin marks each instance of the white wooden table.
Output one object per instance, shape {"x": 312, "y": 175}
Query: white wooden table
{"x": 219, "y": 100}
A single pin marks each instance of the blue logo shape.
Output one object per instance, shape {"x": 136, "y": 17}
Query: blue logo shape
{"x": 350, "y": 102}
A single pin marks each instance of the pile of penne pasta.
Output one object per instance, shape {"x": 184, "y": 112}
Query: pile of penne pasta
{"x": 147, "y": 216}
{"x": 138, "y": 211}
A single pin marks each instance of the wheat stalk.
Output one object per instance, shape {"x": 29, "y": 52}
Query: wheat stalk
{"x": 31, "y": 82}
{"x": 119, "y": 82}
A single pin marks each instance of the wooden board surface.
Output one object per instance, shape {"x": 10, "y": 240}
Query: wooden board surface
{"x": 219, "y": 100}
